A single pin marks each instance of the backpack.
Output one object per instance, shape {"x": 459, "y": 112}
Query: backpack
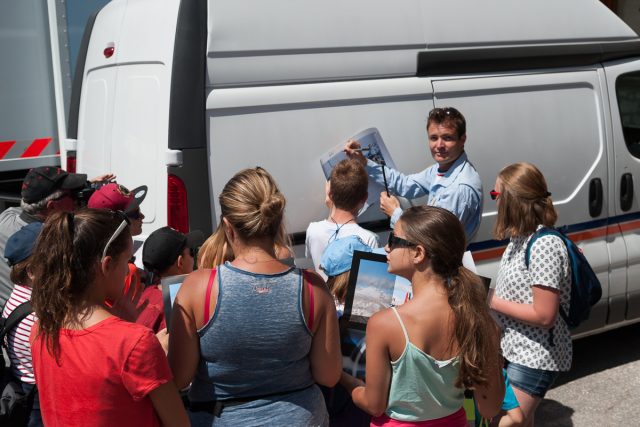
{"x": 15, "y": 404}
{"x": 585, "y": 286}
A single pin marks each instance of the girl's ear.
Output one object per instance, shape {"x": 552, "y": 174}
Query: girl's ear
{"x": 105, "y": 264}
{"x": 180, "y": 261}
{"x": 419, "y": 254}
{"x": 229, "y": 231}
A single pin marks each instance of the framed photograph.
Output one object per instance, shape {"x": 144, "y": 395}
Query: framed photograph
{"x": 170, "y": 286}
{"x": 372, "y": 288}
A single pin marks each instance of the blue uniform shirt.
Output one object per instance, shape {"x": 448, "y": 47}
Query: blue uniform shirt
{"x": 459, "y": 190}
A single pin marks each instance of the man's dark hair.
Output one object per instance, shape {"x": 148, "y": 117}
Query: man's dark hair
{"x": 448, "y": 116}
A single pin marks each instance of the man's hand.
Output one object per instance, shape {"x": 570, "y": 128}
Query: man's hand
{"x": 388, "y": 204}
{"x": 351, "y": 149}
{"x": 105, "y": 177}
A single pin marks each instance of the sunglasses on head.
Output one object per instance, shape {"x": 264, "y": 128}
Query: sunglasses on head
{"x": 120, "y": 216}
{"x": 494, "y": 194}
{"x": 398, "y": 242}
{"x": 444, "y": 112}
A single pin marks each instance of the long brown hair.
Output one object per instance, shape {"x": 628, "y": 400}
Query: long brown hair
{"x": 525, "y": 202}
{"x": 68, "y": 251}
{"x": 476, "y": 333}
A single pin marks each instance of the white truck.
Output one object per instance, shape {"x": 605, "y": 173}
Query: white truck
{"x": 38, "y": 42}
{"x": 179, "y": 95}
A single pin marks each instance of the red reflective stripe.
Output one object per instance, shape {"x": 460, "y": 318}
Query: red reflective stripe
{"x": 5, "y": 146}
{"x": 36, "y": 147}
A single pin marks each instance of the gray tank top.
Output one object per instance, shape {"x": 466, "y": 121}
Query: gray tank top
{"x": 257, "y": 342}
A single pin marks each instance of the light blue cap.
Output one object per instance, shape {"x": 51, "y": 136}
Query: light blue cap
{"x": 337, "y": 257}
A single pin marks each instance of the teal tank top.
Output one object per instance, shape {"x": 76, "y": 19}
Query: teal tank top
{"x": 422, "y": 388}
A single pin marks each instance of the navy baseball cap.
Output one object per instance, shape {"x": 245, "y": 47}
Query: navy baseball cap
{"x": 337, "y": 257}
{"x": 21, "y": 243}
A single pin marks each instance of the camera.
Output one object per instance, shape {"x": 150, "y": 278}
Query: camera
{"x": 82, "y": 196}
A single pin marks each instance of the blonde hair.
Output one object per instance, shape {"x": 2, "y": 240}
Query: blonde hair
{"x": 216, "y": 249}
{"x": 476, "y": 335}
{"x": 338, "y": 286}
{"x": 524, "y": 202}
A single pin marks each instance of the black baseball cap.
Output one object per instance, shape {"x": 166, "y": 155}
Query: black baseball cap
{"x": 43, "y": 181}
{"x": 163, "y": 246}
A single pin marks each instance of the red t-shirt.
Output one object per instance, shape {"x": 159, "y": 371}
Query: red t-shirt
{"x": 103, "y": 376}
{"x": 153, "y": 314}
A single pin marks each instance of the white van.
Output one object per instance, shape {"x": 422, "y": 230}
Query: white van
{"x": 180, "y": 95}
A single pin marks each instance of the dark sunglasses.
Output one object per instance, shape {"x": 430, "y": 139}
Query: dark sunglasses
{"x": 398, "y": 242}
{"x": 135, "y": 214}
{"x": 494, "y": 194}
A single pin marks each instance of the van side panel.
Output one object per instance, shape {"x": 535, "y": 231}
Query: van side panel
{"x": 554, "y": 120}
{"x": 287, "y": 129}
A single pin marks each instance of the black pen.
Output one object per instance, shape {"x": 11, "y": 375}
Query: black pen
{"x": 384, "y": 177}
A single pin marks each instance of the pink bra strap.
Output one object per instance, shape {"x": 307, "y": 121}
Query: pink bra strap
{"x": 311, "y": 303}
{"x": 207, "y": 296}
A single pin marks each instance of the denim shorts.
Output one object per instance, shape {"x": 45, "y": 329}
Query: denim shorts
{"x": 534, "y": 382}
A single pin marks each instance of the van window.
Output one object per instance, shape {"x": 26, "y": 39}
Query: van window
{"x": 628, "y": 93}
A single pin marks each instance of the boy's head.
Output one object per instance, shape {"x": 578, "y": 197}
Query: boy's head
{"x": 168, "y": 252}
{"x": 18, "y": 250}
{"x": 348, "y": 185}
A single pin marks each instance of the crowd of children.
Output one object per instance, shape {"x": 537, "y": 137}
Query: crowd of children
{"x": 252, "y": 337}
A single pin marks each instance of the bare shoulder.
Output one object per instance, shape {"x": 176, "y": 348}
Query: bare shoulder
{"x": 382, "y": 321}
{"x": 194, "y": 284}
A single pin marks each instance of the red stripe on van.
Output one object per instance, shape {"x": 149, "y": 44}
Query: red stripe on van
{"x": 592, "y": 234}
{"x": 488, "y": 254}
{"x": 628, "y": 226}
{"x": 36, "y": 147}
{"x": 5, "y": 146}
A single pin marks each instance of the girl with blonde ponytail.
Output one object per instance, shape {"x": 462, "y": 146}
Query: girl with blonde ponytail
{"x": 422, "y": 355}
{"x": 252, "y": 335}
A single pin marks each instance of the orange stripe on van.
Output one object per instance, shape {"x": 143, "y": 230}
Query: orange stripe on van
{"x": 37, "y": 147}
{"x": 591, "y": 234}
{"x": 5, "y": 146}
{"x": 628, "y": 226}
{"x": 488, "y": 254}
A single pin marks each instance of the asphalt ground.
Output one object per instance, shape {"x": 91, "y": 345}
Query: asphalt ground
{"x": 603, "y": 386}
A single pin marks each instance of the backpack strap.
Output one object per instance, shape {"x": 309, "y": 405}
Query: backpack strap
{"x": 16, "y": 316}
{"x": 539, "y": 233}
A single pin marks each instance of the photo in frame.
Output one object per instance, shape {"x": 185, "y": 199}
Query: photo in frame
{"x": 170, "y": 287}
{"x": 372, "y": 288}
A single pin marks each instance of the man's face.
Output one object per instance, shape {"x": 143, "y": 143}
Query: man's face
{"x": 64, "y": 203}
{"x": 444, "y": 144}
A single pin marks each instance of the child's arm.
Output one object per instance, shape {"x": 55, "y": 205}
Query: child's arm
{"x": 511, "y": 418}
{"x": 373, "y": 397}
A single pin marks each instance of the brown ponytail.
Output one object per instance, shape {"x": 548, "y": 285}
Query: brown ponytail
{"x": 476, "y": 335}
{"x": 64, "y": 262}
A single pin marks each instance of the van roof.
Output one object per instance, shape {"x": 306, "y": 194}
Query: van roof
{"x": 282, "y": 41}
